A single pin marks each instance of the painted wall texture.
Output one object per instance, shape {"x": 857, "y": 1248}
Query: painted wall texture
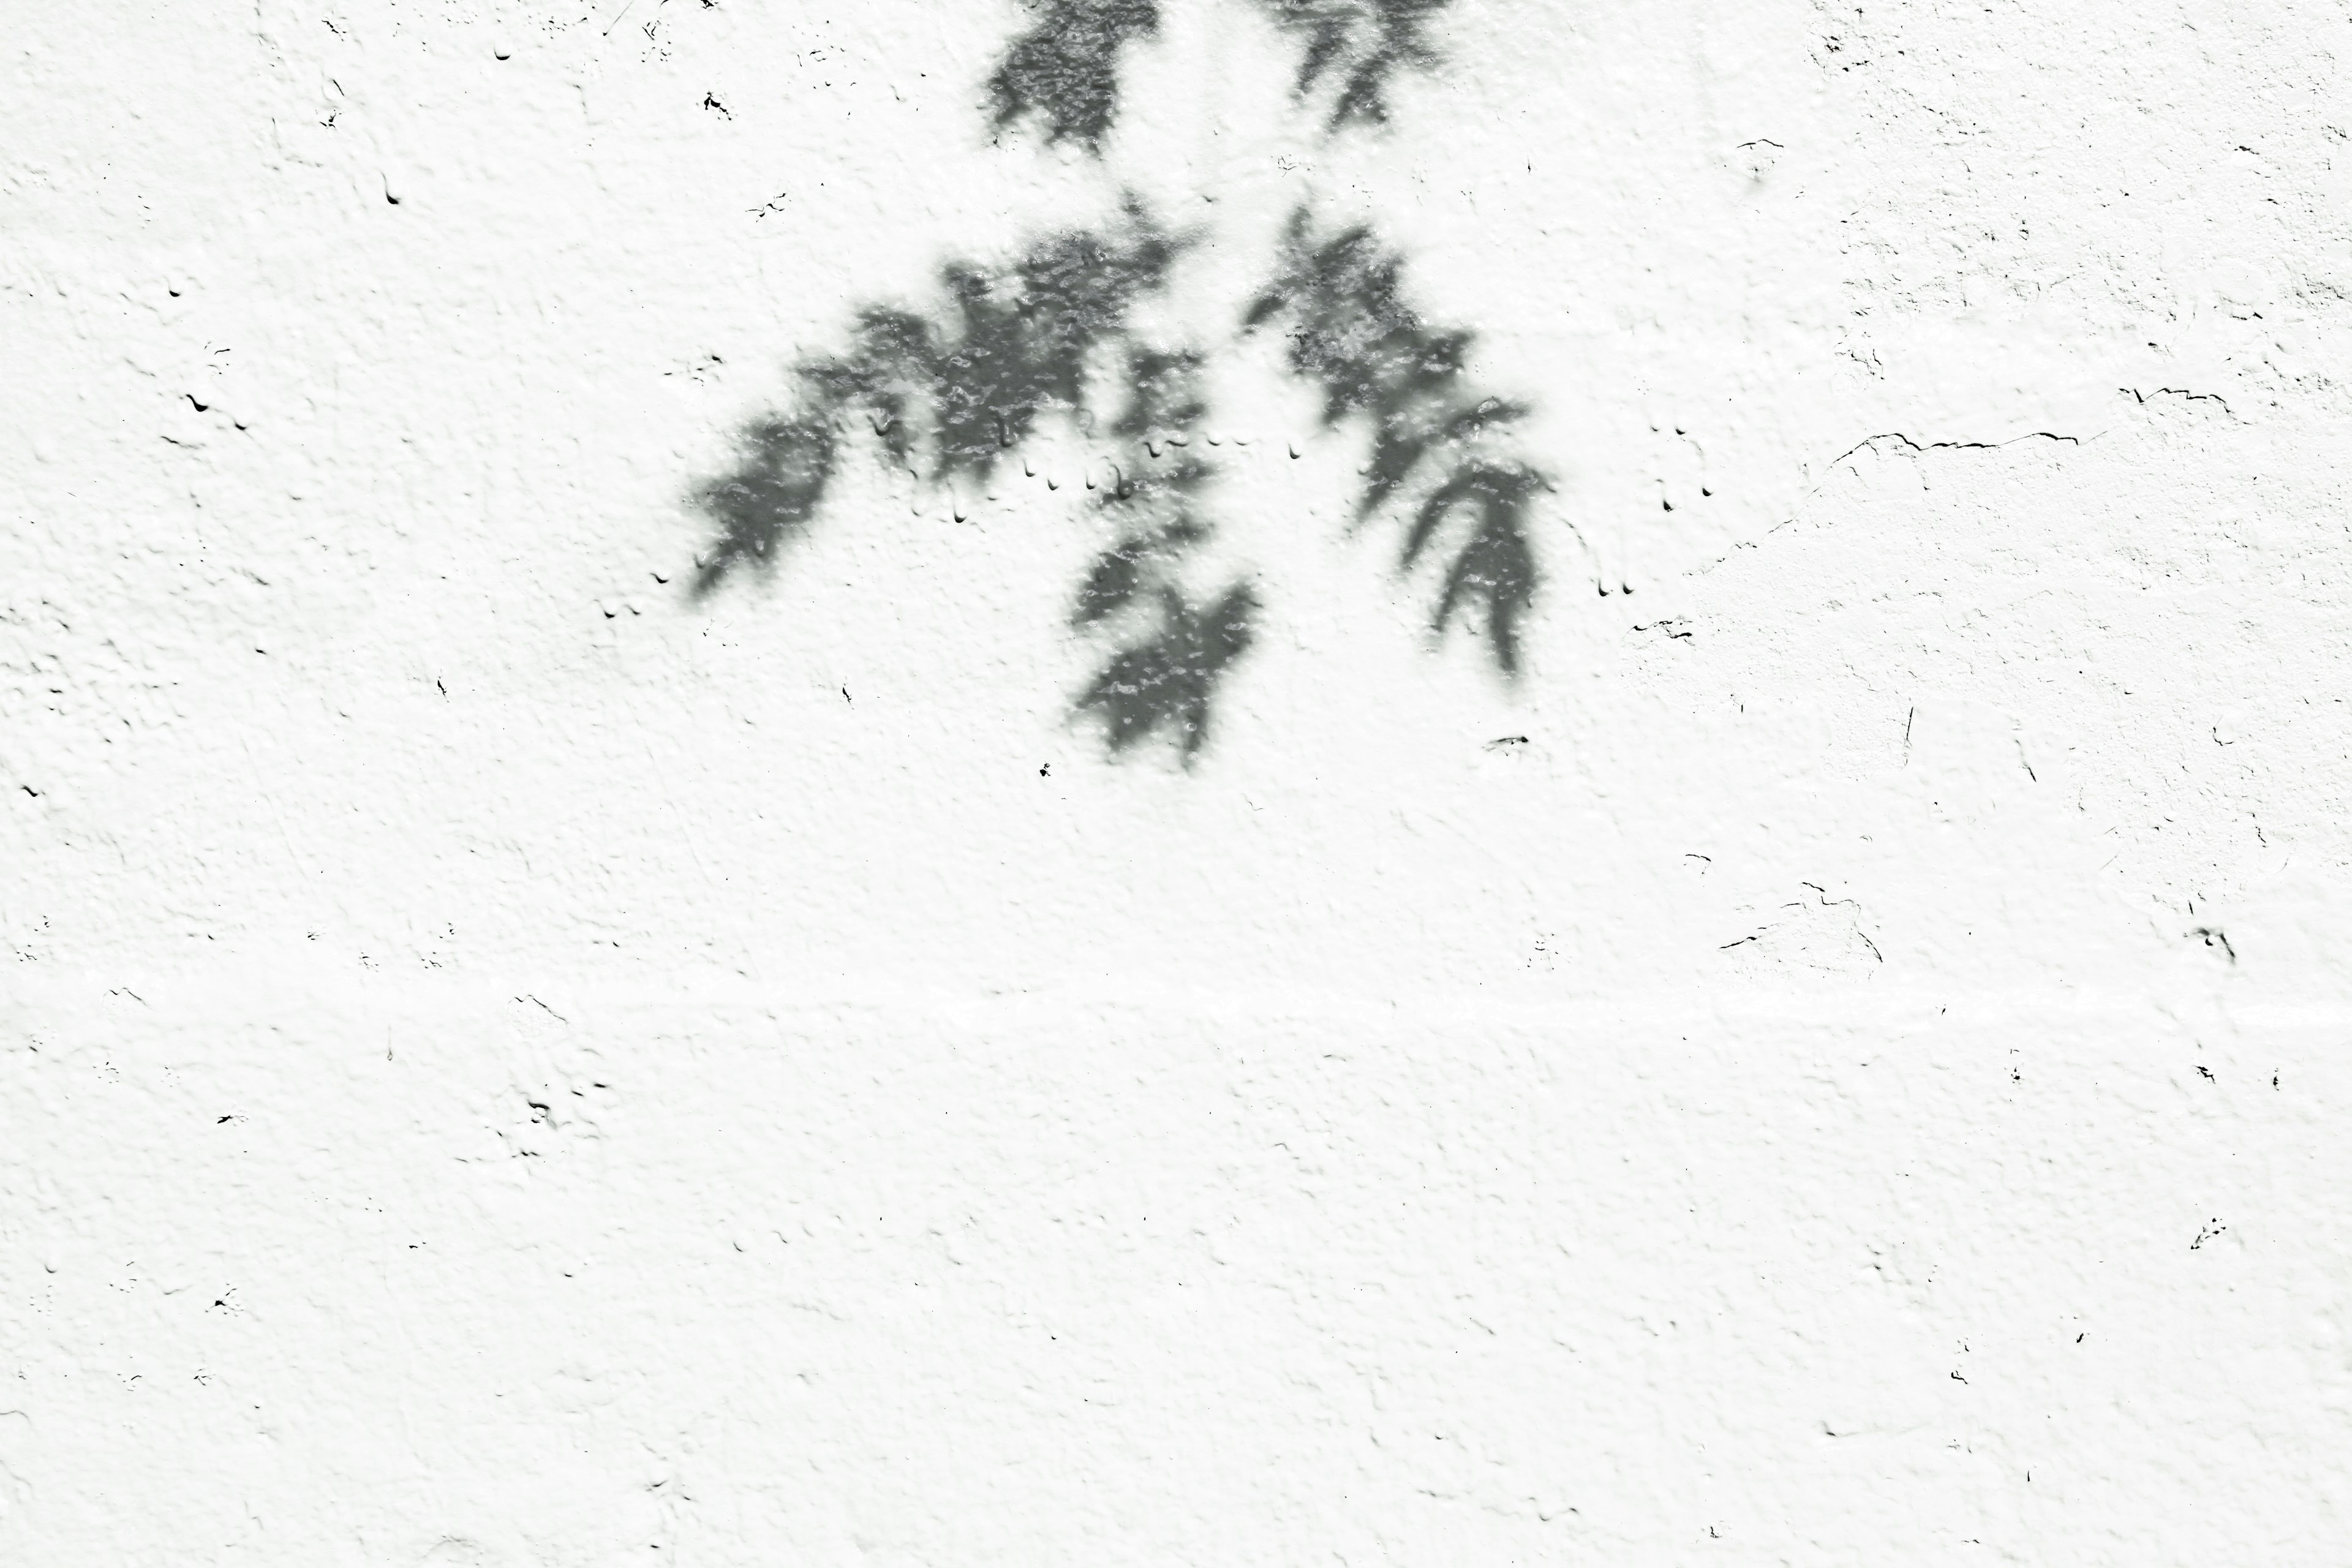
{"x": 511, "y": 1061}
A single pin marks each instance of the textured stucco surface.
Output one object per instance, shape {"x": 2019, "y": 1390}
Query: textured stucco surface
{"x": 504, "y": 1065}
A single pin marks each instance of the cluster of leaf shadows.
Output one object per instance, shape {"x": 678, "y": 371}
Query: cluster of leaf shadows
{"x": 1051, "y": 335}
{"x": 1063, "y": 72}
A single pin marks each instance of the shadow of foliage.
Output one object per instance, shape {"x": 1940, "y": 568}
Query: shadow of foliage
{"x": 1349, "y": 330}
{"x": 946, "y": 397}
{"x": 1164, "y": 681}
{"x": 1050, "y": 336}
{"x": 1359, "y": 44}
{"x": 1063, "y": 70}
{"x": 949, "y": 397}
{"x": 1174, "y": 649}
{"x": 770, "y": 497}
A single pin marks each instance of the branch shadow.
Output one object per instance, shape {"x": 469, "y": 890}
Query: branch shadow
{"x": 1050, "y": 336}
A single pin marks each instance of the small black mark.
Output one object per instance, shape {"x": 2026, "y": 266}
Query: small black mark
{"x": 1045, "y": 771}
{"x": 2207, "y": 1231}
{"x": 1501, "y": 740}
{"x": 389, "y": 197}
{"x": 200, "y": 407}
{"x": 223, "y": 1119}
{"x": 1957, "y": 1378}
{"x": 436, "y": 681}
{"x": 845, "y": 698}
{"x": 2212, "y": 935}
{"x": 2206, "y": 1073}
{"x": 28, "y": 789}
{"x": 710, "y": 101}
{"x": 2078, "y": 1339}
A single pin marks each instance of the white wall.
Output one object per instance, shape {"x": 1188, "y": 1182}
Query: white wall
{"x": 507, "y": 1066}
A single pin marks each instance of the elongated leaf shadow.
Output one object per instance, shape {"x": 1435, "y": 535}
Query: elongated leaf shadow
{"x": 1360, "y": 44}
{"x": 1340, "y": 296}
